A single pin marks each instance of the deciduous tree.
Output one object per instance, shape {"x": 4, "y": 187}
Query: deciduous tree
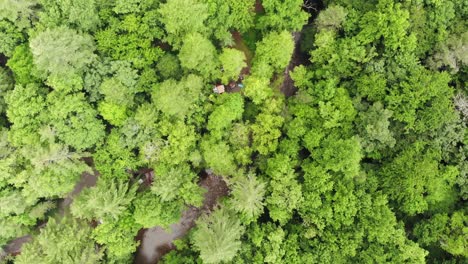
{"x": 232, "y": 62}
{"x": 62, "y": 51}
{"x": 181, "y": 17}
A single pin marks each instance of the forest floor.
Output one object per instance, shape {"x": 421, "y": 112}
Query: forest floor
{"x": 155, "y": 242}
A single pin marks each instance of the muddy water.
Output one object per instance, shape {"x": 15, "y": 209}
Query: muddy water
{"x": 14, "y": 247}
{"x": 298, "y": 58}
{"x": 156, "y": 241}
{"x": 87, "y": 180}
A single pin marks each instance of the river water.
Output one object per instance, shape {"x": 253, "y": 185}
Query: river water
{"x": 155, "y": 241}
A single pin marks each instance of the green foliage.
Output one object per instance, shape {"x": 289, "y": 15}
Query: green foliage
{"x": 431, "y": 23}
{"x": 26, "y": 105}
{"x": 182, "y": 17}
{"x": 266, "y": 129}
{"x": 175, "y": 148}
{"x": 22, "y": 66}
{"x": 114, "y": 159}
{"x": 226, "y": 16}
{"x": 269, "y": 243}
{"x": 178, "y": 98}
{"x": 67, "y": 241}
{"x": 284, "y": 15}
{"x": 416, "y": 181}
{"x": 365, "y": 163}
{"x": 451, "y": 54}
{"x": 19, "y": 12}
{"x": 284, "y": 190}
{"x": 74, "y": 120}
{"x": 217, "y": 236}
{"x": 119, "y": 92}
{"x": 62, "y": 51}
{"x": 446, "y": 232}
{"x": 198, "y": 54}
{"x": 230, "y": 109}
{"x": 151, "y": 211}
{"x": 257, "y": 89}
{"x": 54, "y": 172}
{"x": 218, "y": 157}
{"x": 106, "y": 201}
{"x": 6, "y": 84}
{"x": 247, "y": 197}
{"x": 11, "y": 37}
{"x": 131, "y": 38}
{"x": 172, "y": 183}
{"x": 339, "y": 155}
{"x": 239, "y": 139}
{"x": 373, "y": 126}
{"x": 18, "y": 214}
{"x": 118, "y": 236}
{"x": 133, "y": 6}
{"x": 81, "y": 14}
{"x": 232, "y": 61}
{"x": 331, "y": 18}
{"x": 113, "y": 113}
{"x": 422, "y": 88}
{"x": 168, "y": 66}
{"x": 268, "y": 59}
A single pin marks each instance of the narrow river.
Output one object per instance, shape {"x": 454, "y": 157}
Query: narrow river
{"x": 156, "y": 241}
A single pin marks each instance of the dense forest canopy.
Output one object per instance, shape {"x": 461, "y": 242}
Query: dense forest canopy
{"x": 275, "y": 131}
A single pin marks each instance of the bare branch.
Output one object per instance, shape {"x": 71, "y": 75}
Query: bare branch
{"x": 309, "y": 4}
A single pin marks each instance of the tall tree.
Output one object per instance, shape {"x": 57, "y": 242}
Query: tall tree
{"x": 269, "y": 60}
{"x": 62, "y": 51}
{"x": 74, "y": 120}
{"x": 202, "y": 59}
{"x": 66, "y": 241}
{"x": 247, "y": 196}
{"x": 81, "y": 15}
{"x": 232, "y": 62}
{"x": 182, "y": 17}
{"x": 104, "y": 202}
{"x": 178, "y": 98}
{"x": 217, "y": 236}
{"x": 285, "y": 15}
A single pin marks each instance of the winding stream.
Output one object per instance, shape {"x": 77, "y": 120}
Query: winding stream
{"x": 156, "y": 241}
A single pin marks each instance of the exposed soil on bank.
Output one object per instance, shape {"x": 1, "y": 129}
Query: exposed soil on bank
{"x": 155, "y": 242}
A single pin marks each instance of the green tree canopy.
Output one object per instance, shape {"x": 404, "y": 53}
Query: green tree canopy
{"x": 182, "y": 17}
{"x": 62, "y": 51}
{"x": 232, "y": 62}
{"x": 285, "y": 15}
{"x": 178, "y": 98}
{"x": 217, "y": 236}
{"x": 67, "y": 241}
{"x": 198, "y": 54}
